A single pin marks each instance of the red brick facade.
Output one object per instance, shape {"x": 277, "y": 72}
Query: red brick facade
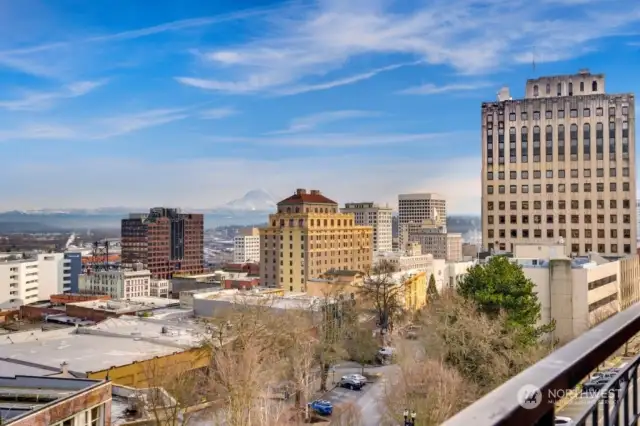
{"x": 71, "y": 406}
{"x": 246, "y": 284}
{"x": 63, "y": 299}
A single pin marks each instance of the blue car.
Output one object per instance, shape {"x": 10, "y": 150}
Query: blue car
{"x": 324, "y": 408}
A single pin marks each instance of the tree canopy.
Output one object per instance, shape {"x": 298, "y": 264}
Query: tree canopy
{"x": 501, "y": 286}
{"x": 432, "y": 290}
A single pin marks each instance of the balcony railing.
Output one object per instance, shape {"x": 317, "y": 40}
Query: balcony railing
{"x": 530, "y": 397}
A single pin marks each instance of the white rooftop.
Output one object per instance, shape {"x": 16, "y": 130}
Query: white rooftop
{"x": 292, "y": 300}
{"x": 130, "y": 305}
{"x": 114, "y": 342}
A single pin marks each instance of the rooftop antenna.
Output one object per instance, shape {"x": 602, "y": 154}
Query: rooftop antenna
{"x": 533, "y": 58}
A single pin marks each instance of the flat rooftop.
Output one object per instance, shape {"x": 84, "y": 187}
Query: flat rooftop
{"x": 135, "y": 304}
{"x": 111, "y": 343}
{"x": 22, "y": 395}
{"x": 293, "y": 300}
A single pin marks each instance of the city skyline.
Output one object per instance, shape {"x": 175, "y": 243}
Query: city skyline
{"x": 110, "y": 106}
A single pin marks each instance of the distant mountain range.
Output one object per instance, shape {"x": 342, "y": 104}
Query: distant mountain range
{"x": 252, "y": 208}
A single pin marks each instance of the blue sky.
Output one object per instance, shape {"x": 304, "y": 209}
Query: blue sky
{"x": 193, "y": 103}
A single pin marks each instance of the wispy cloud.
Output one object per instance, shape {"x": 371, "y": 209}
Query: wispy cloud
{"x": 123, "y": 124}
{"x": 432, "y": 89}
{"x": 298, "y": 48}
{"x": 341, "y": 140}
{"x": 94, "y": 129}
{"x": 32, "y": 101}
{"x": 310, "y": 122}
{"x": 218, "y": 113}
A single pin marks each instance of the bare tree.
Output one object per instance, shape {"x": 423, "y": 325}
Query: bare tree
{"x": 348, "y": 415}
{"x": 172, "y": 390}
{"x": 384, "y": 293}
{"x": 243, "y": 367}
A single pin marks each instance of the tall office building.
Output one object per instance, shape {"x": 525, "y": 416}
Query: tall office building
{"x": 416, "y": 209}
{"x": 165, "y": 241}
{"x": 560, "y": 165}
{"x": 379, "y": 218}
{"x": 308, "y": 237}
{"x": 246, "y": 247}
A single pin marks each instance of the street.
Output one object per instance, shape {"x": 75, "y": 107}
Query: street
{"x": 578, "y": 405}
{"x": 369, "y": 401}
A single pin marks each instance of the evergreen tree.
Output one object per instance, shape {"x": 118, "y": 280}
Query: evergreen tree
{"x": 500, "y": 285}
{"x": 432, "y": 290}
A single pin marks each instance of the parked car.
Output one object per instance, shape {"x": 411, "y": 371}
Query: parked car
{"x": 357, "y": 378}
{"x": 322, "y": 407}
{"x": 596, "y": 384}
{"x": 350, "y": 382}
{"x": 564, "y": 421}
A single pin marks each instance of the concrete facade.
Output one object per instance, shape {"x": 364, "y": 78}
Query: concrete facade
{"x": 246, "y": 248}
{"x": 19, "y": 283}
{"x": 577, "y": 293}
{"x": 418, "y": 208}
{"x": 119, "y": 284}
{"x": 376, "y": 216}
{"x": 560, "y": 163}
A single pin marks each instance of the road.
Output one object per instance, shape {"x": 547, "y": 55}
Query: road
{"x": 369, "y": 401}
{"x": 580, "y": 404}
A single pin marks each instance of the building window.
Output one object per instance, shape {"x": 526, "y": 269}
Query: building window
{"x": 523, "y": 116}
{"x": 570, "y": 89}
{"x": 599, "y": 112}
{"x": 513, "y": 189}
{"x": 548, "y": 89}
{"x": 560, "y": 113}
{"x": 582, "y": 86}
{"x": 548, "y": 114}
{"x": 536, "y": 115}
{"x": 594, "y": 86}
{"x": 574, "y": 113}
{"x": 559, "y": 89}
{"x": 535, "y": 90}
{"x": 586, "y": 112}
{"x": 501, "y": 189}
{"x": 512, "y": 116}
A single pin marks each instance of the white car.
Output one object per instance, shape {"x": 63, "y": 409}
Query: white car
{"x": 356, "y": 377}
{"x": 564, "y": 421}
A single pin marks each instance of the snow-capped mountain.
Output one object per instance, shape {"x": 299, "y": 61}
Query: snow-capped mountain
{"x": 254, "y": 200}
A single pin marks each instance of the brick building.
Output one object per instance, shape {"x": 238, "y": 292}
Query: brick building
{"x": 165, "y": 241}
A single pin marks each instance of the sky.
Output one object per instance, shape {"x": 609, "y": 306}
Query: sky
{"x": 192, "y": 103}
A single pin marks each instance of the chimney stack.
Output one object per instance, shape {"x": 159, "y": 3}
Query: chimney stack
{"x": 301, "y": 191}
{"x": 64, "y": 367}
{"x": 315, "y": 192}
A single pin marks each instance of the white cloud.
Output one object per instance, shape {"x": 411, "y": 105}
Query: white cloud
{"x": 310, "y": 122}
{"x": 368, "y": 179}
{"x": 432, "y": 89}
{"x": 32, "y": 101}
{"x": 340, "y": 140}
{"x": 99, "y": 128}
{"x": 461, "y": 34}
{"x": 217, "y": 113}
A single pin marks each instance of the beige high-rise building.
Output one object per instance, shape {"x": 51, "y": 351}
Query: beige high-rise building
{"x": 418, "y": 208}
{"x": 559, "y": 165}
{"x": 308, "y": 237}
{"x": 378, "y": 217}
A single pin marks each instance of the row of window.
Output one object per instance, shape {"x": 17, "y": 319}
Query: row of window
{"x": 594, "y": 88}
{"x": 561, "y": 146}
{"x": 561, "y": 204}
{"x": 574, "y": 173}
{"x": 602, "y": 282}
{"x": 537, "y": 233}
{"x": 548, "y": 114}
{"x": 550, "y": 219}
{"x": 603, "y": 302}
{"x": 537, "y": 188}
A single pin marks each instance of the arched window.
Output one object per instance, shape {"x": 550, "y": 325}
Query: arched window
{"x": 548, "y": 89}
{"x": 535, "y": 90}
{"x": 288, "y": 209}
{"x": 297, "y": 209}
{"x": 273, "y": 223}
{"x": 594, "y": 86}
{"x": 301, "y": 223}
{"x": 582, "y": 86}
